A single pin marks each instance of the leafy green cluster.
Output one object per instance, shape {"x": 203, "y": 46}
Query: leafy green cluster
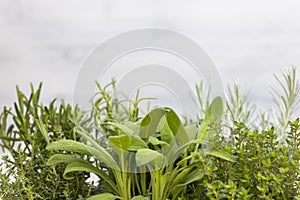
{"x": 264, "y": 169}
{"x": 25, "y": 132}
{"x": 154, "y": 157}
{"x": 230, "y": 152}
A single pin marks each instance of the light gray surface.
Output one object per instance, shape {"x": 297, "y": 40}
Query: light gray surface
{"x": 47, "y": 40}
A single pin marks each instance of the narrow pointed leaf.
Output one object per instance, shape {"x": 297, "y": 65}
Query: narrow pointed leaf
{"x": 43, "y": 130}
{"x": 221, "y": 154}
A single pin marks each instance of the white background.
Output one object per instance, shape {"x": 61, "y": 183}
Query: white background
{"x": 47, "y": 40}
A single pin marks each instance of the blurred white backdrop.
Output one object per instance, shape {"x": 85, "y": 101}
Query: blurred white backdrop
{"x": 47, "y": 40}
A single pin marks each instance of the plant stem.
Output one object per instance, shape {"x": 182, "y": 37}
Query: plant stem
{"x": 144, "y": 180}
{"x": 126, "y": 193}
{"x": 157, "y": 182}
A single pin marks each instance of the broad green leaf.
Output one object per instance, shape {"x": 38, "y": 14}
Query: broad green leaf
{"x": 75, "y": 163}
{"x": 80, "y": 166}
{"x": 170, "y": 151}
{"x": 215, "y": 110}
{"x": 140, "y": 198}
{"x": 194, "y": 176}
{"x": 137, "y": 143}
{"x": 165, "y": 131}
{"x": 213, "y": 115}
{"x": 63, "y": 158}
{"x": 192, "y": 131}
{"x": 88, "y": 167}
{"x": 69, "y": 145}
{"x": 123, "y": 128}
{"x": 134, "y": 127}
{"x": 176, "y": 126}
{"x": 221, "y": 154}
{"x": 181, "y": 176}
{"x": 98, "y": 151}
{"x": 187, "y": 176}
{"x": 150, "y": 122}
{"x": 77, "y": 147}
{"x": 104, "y": 156}
{"x": 120, "y": 141}
{"x": 145, "y": 156}
{"x": 103, "y": 196}
{"x": 173, "y": 151}
{"x": 156, "y": 141}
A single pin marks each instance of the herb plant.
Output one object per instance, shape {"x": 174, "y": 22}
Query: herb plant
{"x": 140, "y": 157}
{"x": 25, "y": 132}
{"x": 231, "y": 151}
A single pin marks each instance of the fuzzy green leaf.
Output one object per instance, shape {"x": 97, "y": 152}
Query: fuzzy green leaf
{"x": 69, "y": 145}
{"x": 103, "y": 196}
{"x": 145, "y": 156}
{"x": 165, "y": 132}
{"x": 88, "y": 167}
{"x": 75, "y": 163}
{"x": 137, "y": 143}
{"x": 80, "y": 166}
{"x": 63, "y": 158}
{"x": 221, "y": 154}
{"x": 140, "y": 198}
{"x": 187, "y": 176}
{"x": 213, "y": 115}
{"x": 176, "y": 126}
{"x": 215, "y": 110}
{"x": 192, "y": 131}
{"x": 123, "y": 128}
{"x": 77, "y": 147}
{"x": 156, "y": 141}
{"x": 120, "y": 141}
{"x": 150, "y": 122}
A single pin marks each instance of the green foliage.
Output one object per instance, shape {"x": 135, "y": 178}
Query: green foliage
{"x": 265, "y": 169}
{"x": 25, "y": 132}
{"x": 238, "y": 107}
{"x": 287, "y": 99}
{"x": 150, "y": 169}
{"x": 227, "y": 153}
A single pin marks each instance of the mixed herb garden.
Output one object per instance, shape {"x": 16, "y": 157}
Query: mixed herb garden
{"x": 231, "y": 150}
